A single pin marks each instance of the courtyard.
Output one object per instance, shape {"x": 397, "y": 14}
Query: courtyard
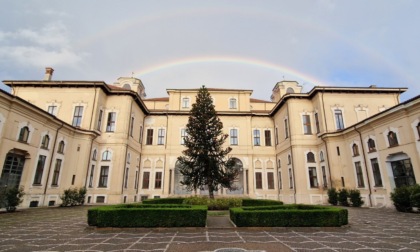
{"x": 66, "y": 229}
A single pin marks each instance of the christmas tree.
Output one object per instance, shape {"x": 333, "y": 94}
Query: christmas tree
{"x": 204, "y": 162}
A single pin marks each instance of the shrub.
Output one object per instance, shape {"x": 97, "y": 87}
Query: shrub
{"x": 406, "y": 197}
{"x": 164, "y": 201}
{"x": 260, "y": 202}
{"x": 73, "y": 197}
{"x": 11, "y": 197}
{"x": 214, "y": 204}
{"x": 343, "y": 197}
{"x": 332, "y": 196}
{"x": 355, "y": 198}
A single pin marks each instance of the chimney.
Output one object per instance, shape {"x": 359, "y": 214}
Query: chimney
{"x": 48, "y": 73}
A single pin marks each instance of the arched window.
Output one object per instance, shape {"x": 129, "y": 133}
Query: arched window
{"x": 371, "y": 145}
{"x": 106, "y": 156}
{"x": 61, "y": 147}
{"x": 355, "y": 149}
{"x": 290, "y": 90}
{"x": 127, "y": 86}
{"x": 45, "y": 142}
{"x": 232, "y": 103}
{"x": 310, "y": 157}
{"x": 24, "y": 134}
{"x": 321, "y": 156}
{"x": 94, "y": 155}
{"x": 392, "y": 139}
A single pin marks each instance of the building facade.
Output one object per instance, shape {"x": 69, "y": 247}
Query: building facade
{"x": 123, "y": 147}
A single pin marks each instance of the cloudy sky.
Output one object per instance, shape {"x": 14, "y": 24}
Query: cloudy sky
{"x": 225, "y": 44}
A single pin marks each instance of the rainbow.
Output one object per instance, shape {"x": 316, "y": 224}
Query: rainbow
{"x": 229, "y": 59}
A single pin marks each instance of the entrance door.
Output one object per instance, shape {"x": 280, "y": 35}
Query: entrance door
{"x": 12, "y": 170}
{"x": 403, "y": 173}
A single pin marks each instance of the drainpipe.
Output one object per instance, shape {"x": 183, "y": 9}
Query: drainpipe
{"x": 88, "y": 162}
{"x": 126, "y": 145}
{"x": 291, "y": 153}
{"x": 51, "y": 161}
{"x": 364, "y": 159}
{"x": 326, "y": 131}
{"x": 94, "y": 107}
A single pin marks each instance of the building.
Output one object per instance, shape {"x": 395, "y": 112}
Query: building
{"x": 123, "y": 147}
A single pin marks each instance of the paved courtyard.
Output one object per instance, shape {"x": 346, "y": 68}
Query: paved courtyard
{"x": 65, "y": 229}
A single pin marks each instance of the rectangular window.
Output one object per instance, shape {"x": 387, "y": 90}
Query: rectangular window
{"x": 376, "y": 172}
{"x": 183, "y": 135}
{"x": 257, "y": 140}
{"x": 286, "y": 129}
{"x": 141, "y": 135}
{"x": 280, "y": 181}
{"x": 234, "y": 137}
{"x": 39, "y": 170}
{"x": 324, "y": 177}
{"x": 132, "y": 126}
{"x": 56, "y": 173}
{"x": 158, "y": 180}
{"x": 313, "y": 180}
{"x": 98, "y": 126}
{"x": 92, "y": 170}
{"x": 232, "y": 103}
{"x": 185, "y": 102}
{"x": 136, "y": 180}
{"x": 338, "y": 151}
{"x": 110, "y": 124}
{"x": 258, "y": 180}
{"x": 77, "y": 116}
{"x": 267, "y": 135}
{"x": 270, "y": 180}
{"x": 52, "y": 110}
{"x": 277, "y": 136}
{"x": 103, "y": 178}
{"x": 126, "y": 178}
{"x": 317, "y": 123}
{"x": 146, "y": 178}
{"x": 307, "y": 125}
{"x": 149, "y": 137}
{"x": 161, "y": 136}
{"x": 359, "y": 174}
{"x": 290, "y": 178}
{"x": 339, "y": 119}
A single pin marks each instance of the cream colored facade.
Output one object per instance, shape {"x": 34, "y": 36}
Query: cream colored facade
{"x": 124, "y": 147}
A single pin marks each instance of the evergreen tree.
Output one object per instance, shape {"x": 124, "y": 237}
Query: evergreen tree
{"x": 205, "y": 162}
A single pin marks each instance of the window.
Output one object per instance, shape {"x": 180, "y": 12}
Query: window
{"x": 376, "y": 172}
{"x": 45, "y": 142}
{"x": 12, "y": 170}
{"x": 324, "y": 177}
{"x": 128, "y": 158}
{"x": 39, "y": 170}
{"x": 183, "y": 135}
{"x": 286, "y": 129}
{"x": 338, "y": 151}
{"x": 52, "y": 109}
{"x": 161, "y": 136}
{"x": 77, "y": 116}
{"x": 61, "y": 146}
{"x": 141, "y": 135}
{"x": 258, "y": 180}
{"x": 131, "y": 126}
{"x": 317, "y": 123}
{"x": 278, "y": 164}
{"x": 355, "y": 149}
{"x": 321, "y": 156}
{"x": 185, "y": 102}
{"x": 24, "y": 134}
{"x": 146, "y": 177}
{"x": 392, "y": 139}
{"x": 289, "y": 159}
{"x": 106, "y": 155}
{"x": 233, "y": 137}
{"x": 290, "y": 178}
{"x": 307, "y": 125}
{"x": 270, "y": 180}
{"x": 98, "y": 126}
{"x": 339, "y": 119}
{"x": 418, "y": 130}
{"x": 371, "y": 145}
{"x": 126, "y": 177}
{"x": 257, "y": 140}
{"x": 103, "y": 178}
{"x": 110, "y": 124}
{"x": 280, "y": 181}
{"x": 313, "y": 180}
{"x": 56, "y": 173}
{"x": 267, "y": 135}
{"x": 310, "y": 157}
{"x": 100, "y": 199}
{"x": 149, "y": 137}
{"x": 94, "y": 155}
{"x": 158, "y": 180}
{"x": 276, "y": 135}
{"x": 403, "y": 173}
{"x": 232, "y": 103}
{"x": 92, "y": 170}
{"x": 359, "y": 174}
{"x": 136, "y": 180}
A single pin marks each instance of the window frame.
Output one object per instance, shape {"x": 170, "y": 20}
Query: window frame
{"x": 52, "y": 109}
{"x": 158, "y": 179}
{"x": 359, "y": 174}
{"x": 39, "y": 172}
{"x": 310, "y": 157}
{"x": 185, "y": 102}
{"x": 270, "y": 181}
{"x": 267, "y": 137}
{"x": 149, "y": 137}
{"x": 61, "y": 147}
{"x": 376, "y": 172}
{"x": 45, "y": 142}
{"x": 392, "y": 139}
{"x": 233, "y": 136}
{"x": 257, "y": 137}
{"x": 313, "y": 177}
{"x": 307, "y": 127}
{"x": 103, "y": 177}
{"x": 161, "y": 137}
{"x": 132, "y": 126}
{"x": 183, "y": 135}
{"x": 106, "y": 155}
{"x": 111, "y": 122}
{"x": 371, "y": 145}
{"x": 56, "y": 172}
{"x": 339, "y": 119}
{"x": 258, "y": 180}
{"x": 317, "y": 123}
{"x": 286, "y": 128}
{"x": 233, "y": 103}
{"x": 77, "y": 116}
{"x": 355, "y": 150}
{"x": 24, "y": 134}
{"x": 99, "y": 123}
{"x": 91, "y": 176}
{"x": 146, "y": 180}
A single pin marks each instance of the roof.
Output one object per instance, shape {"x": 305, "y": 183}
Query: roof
{"x": 157, "y": 99}
{"x": 259, "y": 101}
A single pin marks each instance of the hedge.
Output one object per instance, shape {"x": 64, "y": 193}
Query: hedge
{"x": 164, "y": 201}
{"x": 214, "y": 204}
{"x": 158, "y": 215}
{"x": 289, "y": 216}
{"x": 260, "y": 202}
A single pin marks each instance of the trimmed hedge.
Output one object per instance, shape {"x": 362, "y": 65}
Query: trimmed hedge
{"x": 214, "y": 204}
{"x": 158, "y": 215}
{"x": 164, "y": 201}
{"x": 260, "y": 202}
{"x": 289, "y": 216}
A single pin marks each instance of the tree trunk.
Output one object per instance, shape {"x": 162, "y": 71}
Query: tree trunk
{"x": 211, "y": 194}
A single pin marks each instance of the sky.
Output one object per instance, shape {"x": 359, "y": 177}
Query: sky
{"x": 237, "y": 44}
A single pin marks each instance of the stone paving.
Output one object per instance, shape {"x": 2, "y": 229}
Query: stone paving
{"x": 65, "y": 229}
